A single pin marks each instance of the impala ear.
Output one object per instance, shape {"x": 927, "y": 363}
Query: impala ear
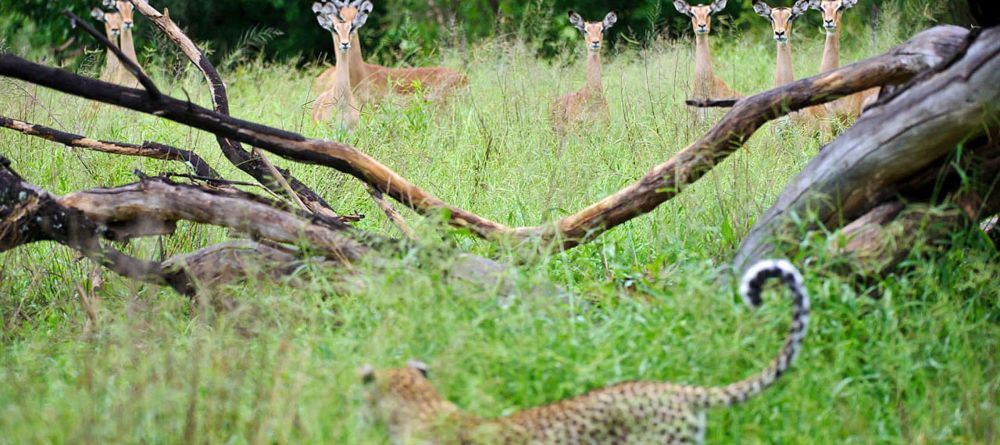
{"x": 682, "y": 7}
{"x": 367, "y": 374}
{"x": 325, "y": 21}
{"x": 340, "y": 3}
{"x": 762, "y": 10}
{"x": 110, "y": 4}
{"x": 815, "y": 4}
{"x": 800, "y": 7}
{"x": 718, "y": 5}
{"x": 846, "y": 4}
{"x": 610, "y": 20}
{"x": 577, "y": 21}
{"x": 317, "y": 7}
{"x": 362, "y": 16}
{"x": 419, "y": 366}
{"x": 98, "y": 14}
{"x": 366, "y": 7}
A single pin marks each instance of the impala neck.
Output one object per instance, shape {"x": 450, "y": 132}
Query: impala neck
{"x": 831, "y": 51}
{"x": 357, "y": 60}
{"x": 342, "y": 83}
{"x": 128, "y": 47}
{"x": 594, "y": 72}
{"x": 703, "y": 73}
{"x": 783, "y": 71}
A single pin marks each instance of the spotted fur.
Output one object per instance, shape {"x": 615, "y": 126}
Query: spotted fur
{"x": 406, "y": 403}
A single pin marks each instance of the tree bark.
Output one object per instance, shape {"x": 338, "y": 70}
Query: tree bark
{"x": 890, "y": 150}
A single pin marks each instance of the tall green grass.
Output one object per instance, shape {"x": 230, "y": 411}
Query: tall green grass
{"x": 644, "y": 301}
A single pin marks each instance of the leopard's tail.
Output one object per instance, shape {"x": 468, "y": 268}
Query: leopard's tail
{"x": 750, "y": 289}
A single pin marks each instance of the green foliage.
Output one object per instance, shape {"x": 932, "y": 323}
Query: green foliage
{"x": 646, "y": 300}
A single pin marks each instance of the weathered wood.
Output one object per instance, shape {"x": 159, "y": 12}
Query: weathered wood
{"x": 147, "y": 149}
{"x": 29, "y": 214}
{"x": 662, "y": 182}
{"x": 901, "y": 137}
{"x": 232, "y": 262}
{"x": 144, "y": 208}
{"x": 82, "y": 220}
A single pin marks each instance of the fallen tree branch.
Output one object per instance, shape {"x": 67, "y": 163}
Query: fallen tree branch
{"x": 254, "y": 163}
{"x": 147, "y": 149}
{"x": 155, "y": 204}
{"x": 28, "y": 215}
{"x": 660, "y": 184}
{"x": 890, "y": 149}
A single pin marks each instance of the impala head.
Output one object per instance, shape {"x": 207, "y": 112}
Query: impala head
{"x": 701, "y": 15}
{"x": 342, "y": 18}
{"x": 781, "y": 18}
{"x": 112, "y": 22}
{"x": 125, "y": 8}
{"x": 593, "y": 32}
{"x": 832, "y": 11}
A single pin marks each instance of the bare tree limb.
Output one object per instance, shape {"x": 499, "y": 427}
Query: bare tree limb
{"x": 660, "y": 184}
{"x": 147, "y": 149}
{"x": 145, "y": 207}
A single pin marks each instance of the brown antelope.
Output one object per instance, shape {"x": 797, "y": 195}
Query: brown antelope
{"x": 588, "y": 103}
{"x": 343, "y": 23}
{"x": 374, "y": 82}
{"x": 781, "y": 24}
{"x": 113, "y": 28}
{"x": 126, "y": 9}
{"x": 847, "y": 107}
{"x": 706, "y": 84}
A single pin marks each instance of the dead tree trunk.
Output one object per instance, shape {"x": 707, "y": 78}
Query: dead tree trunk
{"x": 884, "y": 168}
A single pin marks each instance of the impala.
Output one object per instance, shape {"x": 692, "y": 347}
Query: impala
{"x": 126, "y": 10}
{"x": 833, "y": 10}
{"x": 588, "y": 103}
{"x": 781, "y": 25}
{"x": 113, "y": 27}
{"x": 706, "y": 84}
{"x": 374, "y": 82}
{"x": 343, "y": 23}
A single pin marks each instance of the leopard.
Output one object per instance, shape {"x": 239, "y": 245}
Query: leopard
{"x": 406, "y": 403}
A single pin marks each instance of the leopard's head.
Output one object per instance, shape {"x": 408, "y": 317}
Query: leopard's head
{"x": 402, "y": 399}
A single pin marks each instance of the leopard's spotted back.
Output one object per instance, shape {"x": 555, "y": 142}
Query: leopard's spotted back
{"x": 630, "y": 413}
